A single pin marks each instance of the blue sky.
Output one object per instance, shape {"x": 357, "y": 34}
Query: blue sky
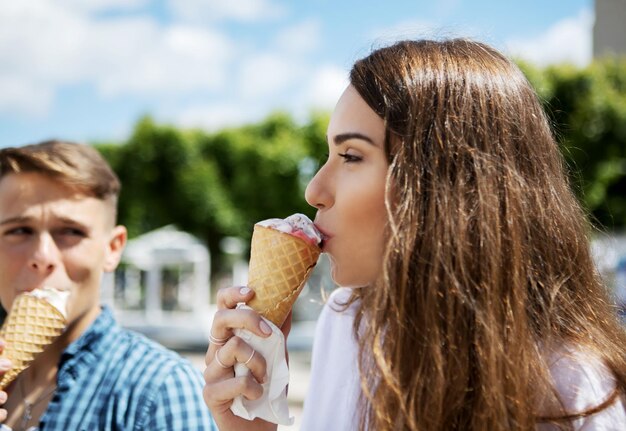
{"x": 86, "y": 70}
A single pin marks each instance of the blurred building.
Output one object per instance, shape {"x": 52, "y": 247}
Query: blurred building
{"x": 609, "y": 30}
{"x": 162, "y": 289}
{"x": 609, "y": 252}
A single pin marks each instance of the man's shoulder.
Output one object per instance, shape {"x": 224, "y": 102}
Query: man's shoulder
{"x": 138, "y": 357}
{"x": 115, "y": 378}
{"x": 142, "y": 349}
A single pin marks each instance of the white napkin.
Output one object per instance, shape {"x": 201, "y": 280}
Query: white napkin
{"x": 272, "y": 406}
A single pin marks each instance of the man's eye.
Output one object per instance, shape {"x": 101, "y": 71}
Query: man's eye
{"x": 70, "y": 231}
{"x": 21, "y": 230}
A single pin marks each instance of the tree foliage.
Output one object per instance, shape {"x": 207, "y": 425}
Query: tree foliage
{"x": 588, "y": 109}
{"x": 215, "y": 185}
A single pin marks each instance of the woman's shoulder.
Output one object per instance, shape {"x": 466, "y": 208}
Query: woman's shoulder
{"x": 336, "y": 319}
{"x": 340, "y": 295}
{"x": 338, "y": 302}
{"x": 583, "y": 381}
{"x": 579, "y": 371}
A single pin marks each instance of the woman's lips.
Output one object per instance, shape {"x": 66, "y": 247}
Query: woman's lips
{"x": 325, "y": 237}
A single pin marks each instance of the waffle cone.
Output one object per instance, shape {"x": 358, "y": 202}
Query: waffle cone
{"x": 30, "y": 327}
{"x": 280, "y": 265}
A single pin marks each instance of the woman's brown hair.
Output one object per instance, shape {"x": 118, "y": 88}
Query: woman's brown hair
{"x": 488, "y": 267}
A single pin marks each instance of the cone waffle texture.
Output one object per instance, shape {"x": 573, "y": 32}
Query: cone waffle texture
{"x": 280, "y": 264}
{"x": 30, "y": 327}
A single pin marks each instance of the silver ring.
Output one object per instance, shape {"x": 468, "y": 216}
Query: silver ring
{"x": 217, "y": 341}
{"x": 250, "y": 358}
{"x": 217, "y": 359}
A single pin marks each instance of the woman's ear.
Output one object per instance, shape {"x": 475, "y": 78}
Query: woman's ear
{"x": 115, "y": 248}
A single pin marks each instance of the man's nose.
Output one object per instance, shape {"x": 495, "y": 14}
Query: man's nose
{"x": 46, "y": 254}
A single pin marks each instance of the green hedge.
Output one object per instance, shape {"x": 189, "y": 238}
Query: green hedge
{"x": 219, "y": 184}
{"x": 588, "y": 110}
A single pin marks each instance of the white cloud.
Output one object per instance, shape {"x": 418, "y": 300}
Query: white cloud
{"x": 40, "y": 42}
{"x": 141, "y": 58}
{"x": 419, "y": 29}
{"x": 414, "y": 29}
{"x": 90, "y": 6}
{"x": 447, "y": 7}
{"x": 218, "y": 115}
{"x": 567, "y": 41}
{"x": 217, "y": 10}
{"x": 284, "y": 69}
{"x": 300, "y": 38}
{"x": 267, "y": 74}
{"x": 325, "y": 87}
{"x": 410, "y": 29}
{"x": 23, "y": 97}
{"x": 45, "y": 46}
{"x": 320, "y": 89}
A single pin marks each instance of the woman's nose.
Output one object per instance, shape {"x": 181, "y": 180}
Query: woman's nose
{"x": 318, "y": 193}
{"x": 45, "y": 256}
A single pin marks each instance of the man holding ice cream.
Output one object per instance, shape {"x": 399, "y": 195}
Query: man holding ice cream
{"x": 58, "y": 234}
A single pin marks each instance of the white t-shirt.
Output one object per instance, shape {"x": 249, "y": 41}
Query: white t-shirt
{"x": 583, "y": 382}
{"x": 334, "y": 386}
{"x": 581, "y": 379}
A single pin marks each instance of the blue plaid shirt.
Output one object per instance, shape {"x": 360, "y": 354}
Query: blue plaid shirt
{"x": 114, "y": 379}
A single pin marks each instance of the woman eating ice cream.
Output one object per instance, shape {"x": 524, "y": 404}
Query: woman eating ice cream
{"x": 470, "y": 297}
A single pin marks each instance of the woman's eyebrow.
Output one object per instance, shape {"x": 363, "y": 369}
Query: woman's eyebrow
{"x": 343, "y": 137}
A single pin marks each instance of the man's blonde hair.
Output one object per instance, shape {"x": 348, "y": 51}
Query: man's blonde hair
{"x": 78, "y": 166}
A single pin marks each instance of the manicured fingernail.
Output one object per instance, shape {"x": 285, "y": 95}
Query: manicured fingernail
{"x": 265, "y": 327}
{"x": 3, "y": 397}
{"x": 5, "y": 364}
{"x": 244, "y": 291}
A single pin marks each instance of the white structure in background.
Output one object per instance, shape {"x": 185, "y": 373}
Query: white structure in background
{"x": 609, "y": 30}
{"x": 609, "y": 252}
{"x": 162, "y": 288}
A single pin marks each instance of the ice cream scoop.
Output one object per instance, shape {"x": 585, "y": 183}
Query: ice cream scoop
{"x": 282, "y": 256}
{"x": 297, "y": 225}
{"x": 35, "y": 320}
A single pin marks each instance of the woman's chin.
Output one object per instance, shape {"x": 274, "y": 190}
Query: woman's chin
{"x": 352, "y": 279}
{"x": 338, "y": 277}
{"x": 346, "y": 281}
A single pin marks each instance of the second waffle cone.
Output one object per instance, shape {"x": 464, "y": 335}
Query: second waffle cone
{"x": 280, "y": 264}
{"x": 30, "y": 327}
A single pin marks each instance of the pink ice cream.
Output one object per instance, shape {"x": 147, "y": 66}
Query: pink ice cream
{"x": 297, "y": 225}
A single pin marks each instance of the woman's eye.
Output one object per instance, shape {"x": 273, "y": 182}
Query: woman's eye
{"x": 350, "y": 158}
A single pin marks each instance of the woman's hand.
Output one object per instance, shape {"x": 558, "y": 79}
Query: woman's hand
{"x": 225, "y": 350}
{"x": 5, "y": 365}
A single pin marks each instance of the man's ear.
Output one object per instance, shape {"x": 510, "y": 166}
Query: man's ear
{"x": 115, "y": 247}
